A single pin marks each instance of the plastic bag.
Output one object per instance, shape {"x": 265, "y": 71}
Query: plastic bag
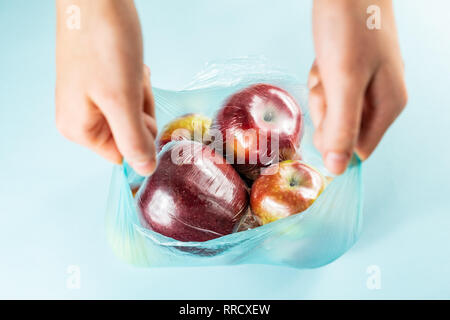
{"x": 312, "y": 238}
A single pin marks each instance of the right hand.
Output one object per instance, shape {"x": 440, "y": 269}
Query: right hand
{"x": 103, "y": 93}
{"x": 357, "y": 85}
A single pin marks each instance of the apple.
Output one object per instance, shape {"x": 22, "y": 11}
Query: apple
{"x": 193, "y": 195}
{"x": 291, "y": 189}
{"x": 191, "y": 126}
{"x": 251, "y": 119}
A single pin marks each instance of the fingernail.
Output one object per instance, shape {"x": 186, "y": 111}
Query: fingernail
{"x": 316, "y": 118}
{"x": 145, "y": 168}
{"x": 337, "y": 162}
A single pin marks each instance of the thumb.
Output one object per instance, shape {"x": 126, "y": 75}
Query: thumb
{"x": 338, "y": 132}
{"x": 132, "y": 136}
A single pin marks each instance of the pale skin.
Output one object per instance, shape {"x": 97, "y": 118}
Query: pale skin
{"x": 357, "y": 86}
{"x": 103, "y": 94}
{"x": 104, "y": 99}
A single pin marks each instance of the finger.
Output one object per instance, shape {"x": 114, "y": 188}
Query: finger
{"x": 107, "y": 149}
{"x": 149, "y": 104}
{"x": 150, "y": 122}
{"x": 316, "y": 99}
{"x": 133, "y": 138}
{"x": 386, "y": 98}
{"x": 99, "y": 138}
{"x": 82, "y": 122}
{"x": 149, "y": 101}
{"x": 340, "y": 126}
{"x": 317, "y": 106}
{"x": 314, "y": 76}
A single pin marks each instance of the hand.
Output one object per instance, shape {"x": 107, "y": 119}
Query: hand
{"x": 356, "y": 84}
{"x": 103, "y": 92}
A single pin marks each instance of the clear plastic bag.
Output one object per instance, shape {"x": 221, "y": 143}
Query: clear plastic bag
{"x": 312, "y": 238}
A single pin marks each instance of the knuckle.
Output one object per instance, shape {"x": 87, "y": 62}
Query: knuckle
{"x": 63, "y": 125}
{"x": 353, "y": 78}
{"x": 136, "y": 152}
{"x": 313, "y": 101}
{"x": 403, "y": 98}
{"x": 119, "y": 99}
{"x": 70, "y": 121}
{"x": 66, "y": 130}
{"x": 392, "y": 78}
{"x": 315, "y": 93}
{"x": 348, "y": 135}
{"x": 344, "y": 139}
{"x": 137, "y": 158}
{"x": 346, "y": 69}
{"x": 354, "y": 69}
{"x": 70, "y": 129}
{"x": 62, "y": 120}
{"x": 111, "y": 98}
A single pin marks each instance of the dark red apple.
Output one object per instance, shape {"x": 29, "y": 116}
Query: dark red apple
{"x": 193, "y": 195}
{"x": 250, "y": 121}
{"x": 291, "y": 189}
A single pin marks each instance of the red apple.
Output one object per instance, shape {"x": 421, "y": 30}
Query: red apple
{"x": 251, "y": 119}
{"x": 291, "y": 189}
{"x": 190, "y": 126}
{"x": 193, "y": 195}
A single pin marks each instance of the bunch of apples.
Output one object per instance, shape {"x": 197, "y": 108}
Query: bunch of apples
{"x": 215, "y": 175}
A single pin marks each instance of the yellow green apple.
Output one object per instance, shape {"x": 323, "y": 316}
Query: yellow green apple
{"x": 192, "y": 126}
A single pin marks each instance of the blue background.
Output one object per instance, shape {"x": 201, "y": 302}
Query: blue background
{"x": 53, "y": 193}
